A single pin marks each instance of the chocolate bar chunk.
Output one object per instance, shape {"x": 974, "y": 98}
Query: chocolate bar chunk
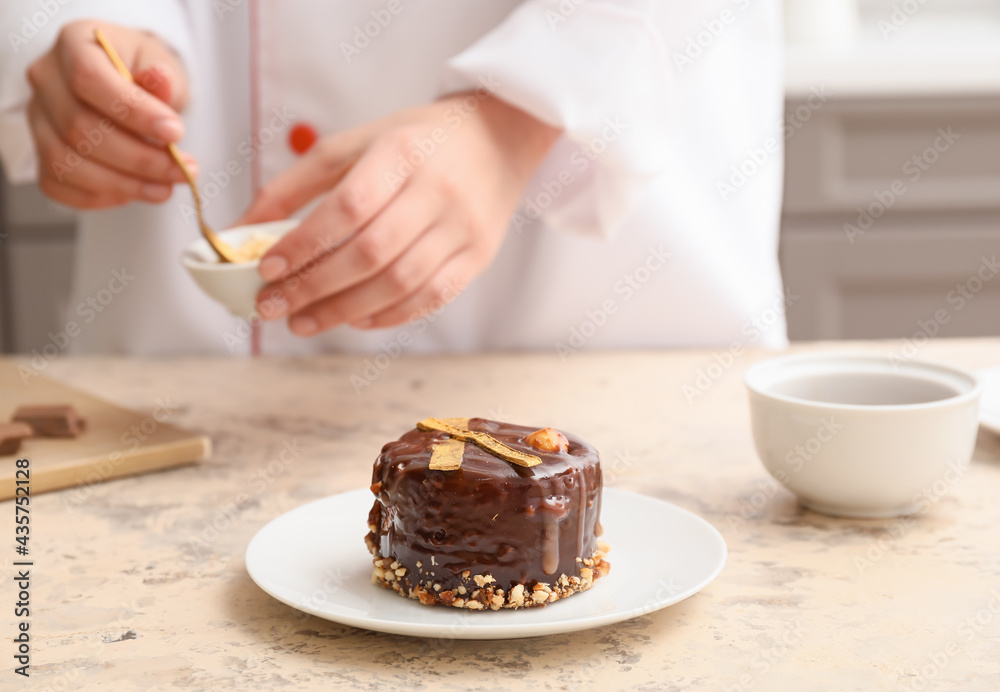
{"x": 11, "y": 435}
{"x": 51, "y": 421}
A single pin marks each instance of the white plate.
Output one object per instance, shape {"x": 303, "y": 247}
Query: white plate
{"x": 989, "y": 405}
{"x": 314, "y": 558}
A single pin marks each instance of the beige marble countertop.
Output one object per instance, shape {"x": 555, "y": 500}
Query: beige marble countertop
{"x": 140, "y": 584}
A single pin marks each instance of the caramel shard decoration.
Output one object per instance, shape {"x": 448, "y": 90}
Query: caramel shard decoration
{"x": 447, "y": 455}
{"x": 462, "y": 423}
{"x": 480, "y": 439}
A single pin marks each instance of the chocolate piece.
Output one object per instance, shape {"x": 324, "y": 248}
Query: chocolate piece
{"x": 57, "y": 420}
{"x": 11, "y": 435}
{"x": 488, "y": 533}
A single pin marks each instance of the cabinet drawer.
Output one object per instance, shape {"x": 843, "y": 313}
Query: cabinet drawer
{"x": 916, "y": 154}
{"x": 895, "y": 281}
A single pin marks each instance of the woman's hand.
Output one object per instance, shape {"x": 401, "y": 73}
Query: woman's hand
{"x": 416, "y": 205}
{"x": 100, "y": 138}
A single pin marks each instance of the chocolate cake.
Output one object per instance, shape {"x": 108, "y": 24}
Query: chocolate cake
{"x": 476, "y": 514}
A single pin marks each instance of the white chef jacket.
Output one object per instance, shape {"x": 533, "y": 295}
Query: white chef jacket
{"x": 637, "y": 230}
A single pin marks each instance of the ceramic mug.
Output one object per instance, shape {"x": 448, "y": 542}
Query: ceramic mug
{"x": 863, "y": 435}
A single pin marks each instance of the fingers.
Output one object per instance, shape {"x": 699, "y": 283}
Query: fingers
{"x": 93, "y": 79}
{"x": 398, "y": 281}
{"x": 93, "y": 185}
{"x": 98, "y": 137}
{"x": 160, "y": 81}
{"x": 364, "y": 255}
{"x": 446, "y": 285}
{"x": 347, "y": 208}
{"x": 321, "y": 169}
{"x": 75, "y": 197}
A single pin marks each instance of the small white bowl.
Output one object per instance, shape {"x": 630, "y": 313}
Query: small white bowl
{"x": 234, "y": 285}
{"x": 860, "y": 435}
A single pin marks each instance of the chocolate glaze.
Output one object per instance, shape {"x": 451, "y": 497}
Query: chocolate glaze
{"x": 520, "y": 525}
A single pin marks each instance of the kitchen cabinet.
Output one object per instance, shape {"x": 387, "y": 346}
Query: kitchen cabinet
{"x": 37, "y": 240}
{"x": 910, "y": 134}
{"x": 891, "y": 215}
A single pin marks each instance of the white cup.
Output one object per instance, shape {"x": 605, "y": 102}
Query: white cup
{"x": 234, "y": 285}
{"x": 862, "y": 435}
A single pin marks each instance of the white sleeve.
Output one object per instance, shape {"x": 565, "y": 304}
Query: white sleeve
{"x": 597, "y": 69}
{"x": 30, "y": 29}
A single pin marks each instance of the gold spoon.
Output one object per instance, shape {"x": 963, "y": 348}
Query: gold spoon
{"x": 225, "y": 251}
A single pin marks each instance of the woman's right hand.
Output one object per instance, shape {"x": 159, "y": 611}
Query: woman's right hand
{"x": 100, "y": 139}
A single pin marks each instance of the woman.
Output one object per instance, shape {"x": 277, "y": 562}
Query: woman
{"x": 511, "y": 175}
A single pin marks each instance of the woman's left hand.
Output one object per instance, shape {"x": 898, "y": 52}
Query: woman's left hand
{"x": 415, "y": 206}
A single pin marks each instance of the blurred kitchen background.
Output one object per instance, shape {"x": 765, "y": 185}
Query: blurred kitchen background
{"x": 870, "y": 85}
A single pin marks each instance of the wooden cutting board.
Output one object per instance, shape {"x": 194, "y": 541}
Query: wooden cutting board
{"x": 116, "y": 443}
